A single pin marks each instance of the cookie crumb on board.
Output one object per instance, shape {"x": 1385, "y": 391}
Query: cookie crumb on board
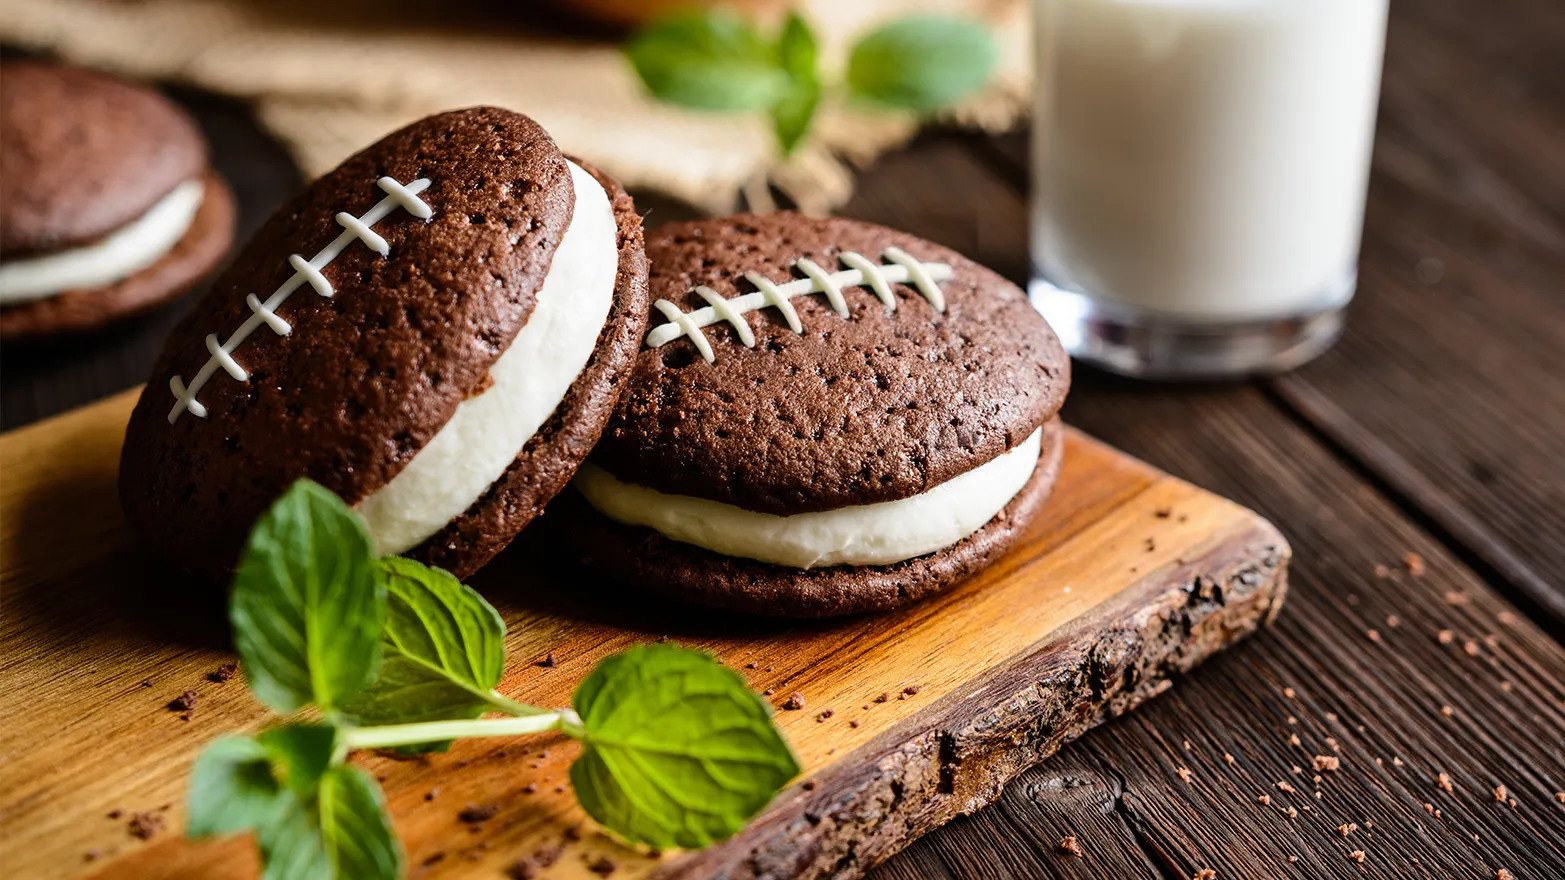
{"x": 223, "y": 673}
{"x": 1357, "y": 856}
{"x": 1326, "y": 762}
{"x": 795, "y": 701}
{"x": 824, "y": 714}
{"x": 1069, "y": 844}
{"x": 1347, "y": 829}
{"x": 145, "y": 826}
{"x": 184, "y": 702}
{"x": 548, "y": 661}
{"x": 1444, "y": 779}
{"x": 1205, "y": 874}
{"x": 473, "y": 813}
{"x": 1184, "y": 773}
{"x": 1414, "y": 563}
{"x": 1265, "y": 799}
{"x": 1499, "y": 794}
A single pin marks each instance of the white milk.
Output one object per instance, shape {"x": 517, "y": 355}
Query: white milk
{"x": 1204, "y": 158}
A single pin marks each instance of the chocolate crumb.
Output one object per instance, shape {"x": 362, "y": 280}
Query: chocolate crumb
{"x": 146, "y": 825}
{"x": 768, "y": 692}
{"x": 603, "y": 866}
{"x": 434, "y": 858}
{"x": 1414, "y": 563}
{"x": 545, "y": 856}
{"x": 430, "y": 795}
{"x": 807, "y": 785}
{"x": 530, "y": 788}
{"x": 572, "y": 834}
{"x": 1445, "y": 782}
{"x": 912, "y": 689}
{"x": 548, "y": 661}
{"x": 1184, "y": 773}
{"x": 824, "y": 714}
{"x": 1070, "y": 845}
{"x": 795, "y": 701}
{"x": 115, "y": 814}
{"x": 853, "y": 722}
{"x": 1326, "y": 762}
{"x": 882, "y": 698}
{"x": 1163, "y": 512}
{"x": 1357, "y": 856}
{"x": 93, "y": 854}
{"x": 473, "y": 813}
{"x": 521, "y": 869}
{"x": 184, "y": 702}
{"x": 751, "y": 665}
{"x": 146, "y": 682}
{"x": 224, "y": 673}
{"x": 1151, "y": 544}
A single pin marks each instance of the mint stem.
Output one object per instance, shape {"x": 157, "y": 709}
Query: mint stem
{"x": 394, "y": 735}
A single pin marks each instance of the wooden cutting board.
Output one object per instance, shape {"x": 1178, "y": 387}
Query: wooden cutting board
{"x": 910, "y": 718}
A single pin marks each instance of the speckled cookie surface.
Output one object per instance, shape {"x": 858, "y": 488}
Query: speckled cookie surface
{"x": 646, "y": 560}
{"x": 82, "y": 154}
{"x": 203, "y": 246}
{"x": 873, "y": 406}
{"x": 365, "y": 378}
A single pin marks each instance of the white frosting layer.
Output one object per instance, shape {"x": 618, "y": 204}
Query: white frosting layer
{"x": 867, "y": 534}
{"x": 486, "y": 432}
{"x": 124, "y": 252}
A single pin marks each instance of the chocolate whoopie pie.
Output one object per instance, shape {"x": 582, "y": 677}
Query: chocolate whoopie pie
{"x": 826, "y": 417}
{"x": 109, "y": 207}
{"x": 437, "y": 331}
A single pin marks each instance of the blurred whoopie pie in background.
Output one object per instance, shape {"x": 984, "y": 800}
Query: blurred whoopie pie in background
{"x": 108, "y": 207}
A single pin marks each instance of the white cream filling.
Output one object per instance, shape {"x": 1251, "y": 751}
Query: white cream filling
{"x": 867, "y": 534}
{"x": 531, "y": 377}
{"x": 124, "y": 252}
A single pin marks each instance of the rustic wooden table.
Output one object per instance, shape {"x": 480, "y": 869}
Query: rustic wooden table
{"x": 1418, "y": 469}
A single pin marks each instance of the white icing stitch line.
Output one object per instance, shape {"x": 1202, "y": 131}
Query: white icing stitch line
{"x": 900, "y": 267}
{"x": 305, "y": 271}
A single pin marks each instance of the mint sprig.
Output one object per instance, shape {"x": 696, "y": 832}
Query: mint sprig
{"x": 717, "y": 61}
{"x": 394, "y": 654}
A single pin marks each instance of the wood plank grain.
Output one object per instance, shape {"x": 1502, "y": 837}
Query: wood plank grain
{"x": 1128, "y": 579}
{"x": 1141, "y": 818}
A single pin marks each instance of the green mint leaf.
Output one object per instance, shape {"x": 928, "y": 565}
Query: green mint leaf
{"x": 307, "y": 607}
{"x": 340, "y": 830}
{"x": 232, "y": 788}
{"x": 922, "y": 62}
{"x": 676, "y": 750}
{"x": 707, "y": 60}
{"x": 797, "y": 54}
{"x": 302, "y": 751}
{"x": 443, "y": 650}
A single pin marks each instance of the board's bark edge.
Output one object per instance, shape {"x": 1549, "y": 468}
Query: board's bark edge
{"x": 957, "y": 756}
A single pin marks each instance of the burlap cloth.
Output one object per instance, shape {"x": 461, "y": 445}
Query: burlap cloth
{"x": 329, "y": 77}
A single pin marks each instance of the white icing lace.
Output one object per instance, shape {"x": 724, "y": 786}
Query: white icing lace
{"x": 899, "y": 267}
{"x": 304, "y": 272}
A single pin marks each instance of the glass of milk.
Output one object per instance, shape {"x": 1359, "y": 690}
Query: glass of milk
{"x": 1199, "y": 172}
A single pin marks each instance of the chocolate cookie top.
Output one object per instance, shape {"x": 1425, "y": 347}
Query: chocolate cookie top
{"x": 82, "y": 154}
{"x": 904, "y": 365}
{"x": 438, "y": 238}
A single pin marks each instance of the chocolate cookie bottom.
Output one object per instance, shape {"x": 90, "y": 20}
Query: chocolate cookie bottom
{"x": 644, "y": 559}
{"x": 202, "y": 247}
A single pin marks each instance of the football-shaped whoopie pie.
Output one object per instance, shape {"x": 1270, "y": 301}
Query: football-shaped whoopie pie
{"x": 825, "y": 417}
{"x": 437, "y": 331}
{"x": 109, "y": 206}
